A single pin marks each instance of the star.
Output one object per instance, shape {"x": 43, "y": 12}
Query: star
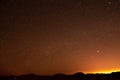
{"x": 109, "y": 2}
{"x": 98, "y": 51}
{"x": 15, "y": 78}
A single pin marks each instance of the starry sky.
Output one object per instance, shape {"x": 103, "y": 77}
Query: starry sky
{"x": 46, "y": 37}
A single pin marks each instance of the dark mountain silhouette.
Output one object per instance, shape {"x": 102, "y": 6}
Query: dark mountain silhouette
{"x": 59, "y": 75}
{"x": 76, "y": 76}
{"x": 79, "y": 74}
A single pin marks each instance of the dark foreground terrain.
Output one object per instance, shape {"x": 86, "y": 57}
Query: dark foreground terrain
{"x": 77, "y": 76}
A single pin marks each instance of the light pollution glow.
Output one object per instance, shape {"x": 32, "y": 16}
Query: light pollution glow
{"x": 103, "y": 72}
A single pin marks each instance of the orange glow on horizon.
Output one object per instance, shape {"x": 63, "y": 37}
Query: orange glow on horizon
{"x": 104, "y": 71}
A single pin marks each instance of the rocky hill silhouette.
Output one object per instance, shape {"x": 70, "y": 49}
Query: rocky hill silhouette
{"x": 76, "y": 76}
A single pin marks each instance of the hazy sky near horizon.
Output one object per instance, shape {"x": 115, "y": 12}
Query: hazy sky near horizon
{"x": 59, "y": 36}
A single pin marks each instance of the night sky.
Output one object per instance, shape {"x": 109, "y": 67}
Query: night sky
{"x": 46, "y": 37}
